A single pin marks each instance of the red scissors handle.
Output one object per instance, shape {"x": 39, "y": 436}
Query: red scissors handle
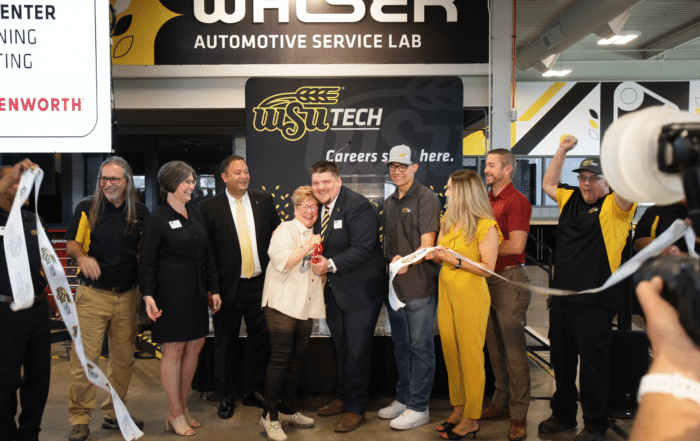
{"x": 318, "y": 251}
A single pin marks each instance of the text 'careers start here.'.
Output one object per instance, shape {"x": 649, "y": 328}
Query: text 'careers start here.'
{"x": 424, "y": 156}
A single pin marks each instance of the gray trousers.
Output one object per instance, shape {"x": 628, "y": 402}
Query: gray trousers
{"x": 505, "y": 339}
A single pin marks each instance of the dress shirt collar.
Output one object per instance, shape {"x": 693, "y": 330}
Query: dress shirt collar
{"x": 232, "y": 201}
{"x": 504, "y": 193}
{"x": 330, "y": 206}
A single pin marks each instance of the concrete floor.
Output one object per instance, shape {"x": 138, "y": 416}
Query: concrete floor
{"x": 146, "y": 400}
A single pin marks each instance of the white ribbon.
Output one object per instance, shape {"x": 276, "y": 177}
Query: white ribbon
{"x": 394, "y": 267}
{"x": 677, "y": 230}
{"x": 56, "y": 277}
{"x": 16, "y": 250}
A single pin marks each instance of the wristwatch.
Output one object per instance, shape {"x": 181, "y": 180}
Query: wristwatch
{"x": 459, "y": 264}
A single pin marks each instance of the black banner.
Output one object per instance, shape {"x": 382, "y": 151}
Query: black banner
{"x": 293, "y": 123}
{"x": 312, "y": 32}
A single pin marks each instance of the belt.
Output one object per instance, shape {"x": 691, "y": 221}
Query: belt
{"x": 9, "y": 299}
{"x": 114, "y": 289}
{"x": 510, "y": 267}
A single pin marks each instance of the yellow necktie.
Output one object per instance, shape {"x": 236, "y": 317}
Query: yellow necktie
{"x": 324, "y": 223}
{"x": 248, "y": 265}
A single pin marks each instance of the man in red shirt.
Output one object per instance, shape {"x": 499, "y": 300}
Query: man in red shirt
{"x": 505, "y": 336}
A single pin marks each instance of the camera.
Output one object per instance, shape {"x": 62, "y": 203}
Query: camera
{"x": 681, "y": 287}
{"x": 653, "y": 155}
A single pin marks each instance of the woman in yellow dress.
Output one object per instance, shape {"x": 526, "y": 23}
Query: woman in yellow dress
{"x": 469, "y": 228}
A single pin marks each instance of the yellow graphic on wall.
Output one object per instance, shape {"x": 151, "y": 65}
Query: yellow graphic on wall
{"x": 474, "y": 144}
{"x": 293, "y": 114}
{"x": 136, "y": 26}
{"x": 541, "y": 101}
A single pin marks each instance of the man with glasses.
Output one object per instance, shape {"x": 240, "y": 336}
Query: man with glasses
{"x": 411, "y": 218}
{"x": 593, "y": 228}
{"x": 103, "y": 238}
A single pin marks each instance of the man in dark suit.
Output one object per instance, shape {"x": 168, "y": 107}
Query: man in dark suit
{"x": 353, "y": 262}
{"x": 240, "y": 223}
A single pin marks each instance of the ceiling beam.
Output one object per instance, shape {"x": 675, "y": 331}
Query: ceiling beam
{"x": 686, "y": 34}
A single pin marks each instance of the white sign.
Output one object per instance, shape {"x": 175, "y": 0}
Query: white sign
{"x": 54, "y": 76}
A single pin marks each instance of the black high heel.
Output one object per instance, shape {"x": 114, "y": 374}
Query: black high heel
{"x": 457, "y": 436}
{"x": 446, "y": 427}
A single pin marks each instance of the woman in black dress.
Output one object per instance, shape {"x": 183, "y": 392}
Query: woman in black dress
{"x": 176, "y": 269}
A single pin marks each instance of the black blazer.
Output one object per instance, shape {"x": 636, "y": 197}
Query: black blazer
{"x": 223, "y": 237}
{"x": 353, "y": 243}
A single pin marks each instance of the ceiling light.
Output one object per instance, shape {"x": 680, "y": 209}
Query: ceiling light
{"x": 626, "y": 39}
{"x": 618, "y": 39}
{"x": 557, "y": 73}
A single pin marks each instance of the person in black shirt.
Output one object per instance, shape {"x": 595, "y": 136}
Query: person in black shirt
{"x": 103, "y": 238}
{"x": 593, "y": 228}
{"x": 655, "y": 221}
{"x": 24, "y": 335}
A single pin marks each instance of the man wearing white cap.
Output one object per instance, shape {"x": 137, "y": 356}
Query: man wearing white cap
{"x": 411, "y": 217}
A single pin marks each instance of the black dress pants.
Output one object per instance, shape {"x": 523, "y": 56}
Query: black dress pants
{"x": 227, "y": 326}
{"x": 581, "y": 330}
{"x": 352, "y": 333}
{"x": 25, "y": 341}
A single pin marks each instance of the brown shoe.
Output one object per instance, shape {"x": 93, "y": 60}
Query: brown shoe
{"x": 495, "y": 413}
{"x": 333, "y": 408}
{"x": 518, "y": 430}
{"x": 349, "y": 422}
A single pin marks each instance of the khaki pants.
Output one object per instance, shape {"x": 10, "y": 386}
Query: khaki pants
{"x": 505, "y": 339}
{"x": 100, "y": 312}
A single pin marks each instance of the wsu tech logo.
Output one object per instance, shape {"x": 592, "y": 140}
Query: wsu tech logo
{"x": 307, "y": 109}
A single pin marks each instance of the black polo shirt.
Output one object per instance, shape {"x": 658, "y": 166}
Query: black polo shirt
{"x": 590, "y": 240}
{"x": 657, "y": 219}
{"x": 113, "y": 243}
{"x": 404, "y": 221}
{"x": 30, "y": 234}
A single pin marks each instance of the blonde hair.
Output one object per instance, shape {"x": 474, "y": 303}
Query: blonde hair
{"x": 301, "y": 193}
{"x": 468, "y": 202}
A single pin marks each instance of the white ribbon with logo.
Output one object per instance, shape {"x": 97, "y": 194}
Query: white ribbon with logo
{"x": 677, "y": 230}
{"x": 23, "y": 293}
{"x": 394, "y": 267}
{"x": 16, "y": 252}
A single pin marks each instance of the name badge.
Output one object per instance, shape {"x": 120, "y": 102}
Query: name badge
{"x": 337, "y": 224}
{"x": 175, "y": 224}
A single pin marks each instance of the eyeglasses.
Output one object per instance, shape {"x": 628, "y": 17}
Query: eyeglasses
{"x": 113, "y": 181}
{"x": 592, "y": 179}
{"x": 305, "y": 207}
{"x": 399, "y": 167}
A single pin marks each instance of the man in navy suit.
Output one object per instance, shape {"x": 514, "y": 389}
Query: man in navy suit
{"x": 239, "y": 224}
{"x": 353, "y": 262}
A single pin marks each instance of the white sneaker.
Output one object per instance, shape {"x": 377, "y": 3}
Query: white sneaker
{"x": 410, "y": 419}
{"x": 391, "y": 411}
{"x": 273, "y": 429}
{"x": 297, "y": 419}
